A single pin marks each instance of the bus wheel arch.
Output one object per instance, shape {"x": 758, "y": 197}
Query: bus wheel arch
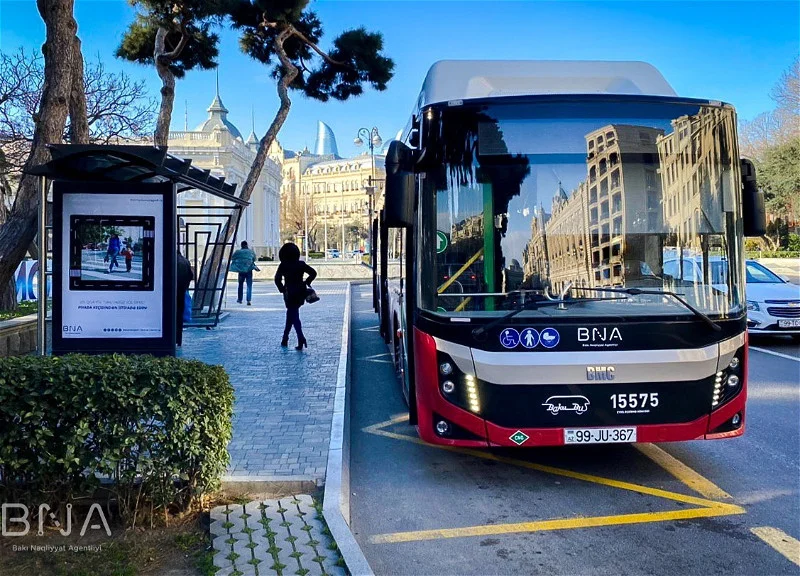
{"x": 404, "y": 372}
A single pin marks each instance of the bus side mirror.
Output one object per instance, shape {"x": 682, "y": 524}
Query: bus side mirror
{"x": 754, "y": 214}
{"x": 399, "y": 196}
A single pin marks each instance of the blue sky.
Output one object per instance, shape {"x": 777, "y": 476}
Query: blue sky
{"x": 732, "y": 51}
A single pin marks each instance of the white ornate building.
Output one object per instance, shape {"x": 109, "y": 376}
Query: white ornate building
{"x": 217, "y": 145}
{"x": 334, "y": 188}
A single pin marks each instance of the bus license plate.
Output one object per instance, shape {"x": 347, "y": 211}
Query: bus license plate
{"x": 788, "y": 323}
{"x": 599, "y": 435}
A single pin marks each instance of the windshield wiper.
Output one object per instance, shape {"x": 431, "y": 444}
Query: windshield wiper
{"x": 637, "y": 291}
{"x": 534, "y": 305}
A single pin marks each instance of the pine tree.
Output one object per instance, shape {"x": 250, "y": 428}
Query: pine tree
{"x": 285, "y": 35}
{"x": 175, "y": 36}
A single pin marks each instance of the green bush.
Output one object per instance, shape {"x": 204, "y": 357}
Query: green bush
{"x": 753, "y": 244}
{"x": 316, "y": 254}
{"x": 774, "y": 254}
{"x": 22, "y": 309}
{"x": 794, "y": 242}
{"x": 155, "y": 428}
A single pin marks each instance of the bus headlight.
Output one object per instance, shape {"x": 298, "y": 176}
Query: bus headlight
{"x": 472, "y": 394}
{"x": 457, "y": 386}
{"x": 728, "y": 381}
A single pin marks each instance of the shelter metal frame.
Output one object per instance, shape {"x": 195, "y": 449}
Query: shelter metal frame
{"x": 146, "y": 164}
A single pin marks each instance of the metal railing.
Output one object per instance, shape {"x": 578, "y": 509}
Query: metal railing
{"x": 205, "y": 239}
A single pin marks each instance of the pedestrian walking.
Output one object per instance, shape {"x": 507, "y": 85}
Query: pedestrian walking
{"x": 184, "y": 276}
{"x": 290, "y": 282}
{"x": 243, "y": 261}
{"x": 114, "y": 246}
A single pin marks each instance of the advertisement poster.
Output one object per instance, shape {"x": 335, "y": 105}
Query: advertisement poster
{"x": 112, "y": 266}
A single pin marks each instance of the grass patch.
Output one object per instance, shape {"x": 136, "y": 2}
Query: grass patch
{"x": 23, "y": 309}
{"x": 183, "y": 548}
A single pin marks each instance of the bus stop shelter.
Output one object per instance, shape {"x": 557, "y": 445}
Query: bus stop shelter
{"x": 100, "y": 202}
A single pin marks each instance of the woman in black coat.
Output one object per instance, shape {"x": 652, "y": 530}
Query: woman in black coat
{"x": 290, "y": 282}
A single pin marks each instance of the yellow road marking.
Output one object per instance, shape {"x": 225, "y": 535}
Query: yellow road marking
{"x": 706, "y": 507}
{"x": 683, "y": 473}
{"x": 684, "y": 498}
{"x": 543, "y": 525}
{"x": 780, "y": 541}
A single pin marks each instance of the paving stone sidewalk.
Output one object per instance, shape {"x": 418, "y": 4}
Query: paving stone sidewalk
{"x": 284, "y": 398}
{"x": 284, "y": 537}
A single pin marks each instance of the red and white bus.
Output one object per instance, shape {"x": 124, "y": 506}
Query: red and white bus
{"x": 528, "y": 212}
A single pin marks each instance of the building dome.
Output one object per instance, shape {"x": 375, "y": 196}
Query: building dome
{"x": 218, "y": 118}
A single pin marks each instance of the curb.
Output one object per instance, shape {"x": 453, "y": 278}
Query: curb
{"x": 336, "y": 504}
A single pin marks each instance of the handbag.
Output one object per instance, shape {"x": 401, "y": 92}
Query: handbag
{"x": 187, "y": 307}
{"x": 311, "y": 295}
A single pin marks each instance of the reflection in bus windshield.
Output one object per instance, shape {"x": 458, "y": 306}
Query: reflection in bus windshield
{"x": 594, "y": 194}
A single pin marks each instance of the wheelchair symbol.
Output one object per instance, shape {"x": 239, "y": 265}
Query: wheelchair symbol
{"x": 509, "y": 338}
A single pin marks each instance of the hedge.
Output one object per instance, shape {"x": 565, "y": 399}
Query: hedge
{"x": 773, "y": 254}
{"x": 150, "y": 433}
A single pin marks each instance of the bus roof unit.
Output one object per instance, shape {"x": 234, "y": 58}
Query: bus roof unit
{"x": 450, "y": 80}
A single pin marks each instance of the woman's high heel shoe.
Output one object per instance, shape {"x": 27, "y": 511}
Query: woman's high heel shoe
{"x": 301, "y": 343}
{"x": 285, "y": 342}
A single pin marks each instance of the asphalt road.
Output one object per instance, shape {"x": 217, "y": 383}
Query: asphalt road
{"x": 712, "y": 507}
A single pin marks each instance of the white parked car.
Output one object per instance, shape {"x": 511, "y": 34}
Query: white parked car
{"x": 773, "y": 304}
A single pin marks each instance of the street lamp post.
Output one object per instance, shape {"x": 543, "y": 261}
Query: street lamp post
{"x": 374, "y": 140}
{"x": 341, "y": 253}
{"x": 305, "y": 223}
{"x": 305, "y": 202}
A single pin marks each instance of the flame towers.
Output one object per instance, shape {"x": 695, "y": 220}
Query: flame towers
{"x": 326, "y": 141}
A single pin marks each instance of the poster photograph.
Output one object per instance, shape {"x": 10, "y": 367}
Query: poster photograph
{"x": 111, "y": 252}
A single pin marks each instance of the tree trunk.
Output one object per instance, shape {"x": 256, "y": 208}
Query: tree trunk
{"x": 167, "y": 89}
{"x": 20, "y": 228}
{"x": 8, "y": 296}
{"x": 290, "y": 72}
{"x": 206, "y": 278}
{"x": 78, "y": 119}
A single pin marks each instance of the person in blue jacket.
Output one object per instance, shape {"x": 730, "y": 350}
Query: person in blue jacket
{"x": 243, "y": 261}
{"x": 114, "y": 247}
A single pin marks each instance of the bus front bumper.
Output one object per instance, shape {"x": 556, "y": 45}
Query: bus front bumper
{"x": 482, "y": 433}
{"x": 468, "y": 429}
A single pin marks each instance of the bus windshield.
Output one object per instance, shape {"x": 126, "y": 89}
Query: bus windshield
{"x": 556, "y": 200}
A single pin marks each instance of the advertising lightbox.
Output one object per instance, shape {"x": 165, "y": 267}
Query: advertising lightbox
{"x": 114, "y": 262}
